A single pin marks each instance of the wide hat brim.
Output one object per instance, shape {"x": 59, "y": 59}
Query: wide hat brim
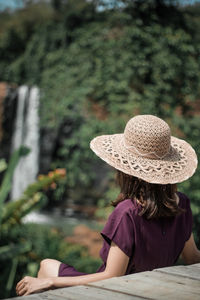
{"x": 177, "y": 166}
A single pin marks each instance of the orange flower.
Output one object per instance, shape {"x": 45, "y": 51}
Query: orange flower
{"x": 40, "y": 177}
{"x": 51, "y": 174}
{"x": 53, "y": 185}
{"x": 61, "y": 172}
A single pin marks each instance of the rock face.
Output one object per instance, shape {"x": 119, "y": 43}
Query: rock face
{"x": 87, "y": 237}
{"x": 3, "y": 91}
{"x": 8, "y": 95}
{"x": 48, "y": 140}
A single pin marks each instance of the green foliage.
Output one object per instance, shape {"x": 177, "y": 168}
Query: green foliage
{"x": 114, "y": 72}
{"x": 3, "y": 165}
{"x": 23, "y": 246}
{"x": 45, "y": 242}
{"x": 96, "y": 69}
{"x": 104, "y": 207}
{"x": 77, "y": 256}
{"x": 12, "y": 212}
{"x": 9, "y": 251}
{"x": 16, "y": 29}
{"x": 7, "y": 179}
{"x": 190, "y": 126}
{"x": 87, "y": 264}
{"x": 14, "y": 245}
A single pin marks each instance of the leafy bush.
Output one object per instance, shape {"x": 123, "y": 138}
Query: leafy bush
{"x": 96, "y": 69}
{"x": 15, "y": 246}
{"x": 43, "y": 242}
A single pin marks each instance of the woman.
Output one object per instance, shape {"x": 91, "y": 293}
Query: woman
{"x": 151, "y": 225}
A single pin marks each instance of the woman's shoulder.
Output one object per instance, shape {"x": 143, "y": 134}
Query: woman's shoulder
{"x": 184, "y": 200}
{"x": 126, "y": 206}
{"x": 122, "y": 213}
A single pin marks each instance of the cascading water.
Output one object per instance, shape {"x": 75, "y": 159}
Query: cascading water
{"x": 26, "y": 133}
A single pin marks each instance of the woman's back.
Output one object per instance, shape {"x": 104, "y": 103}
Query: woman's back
{"x": 150, "y": 244}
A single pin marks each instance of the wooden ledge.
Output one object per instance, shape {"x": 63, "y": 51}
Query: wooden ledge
{"x": 178, "y": 282}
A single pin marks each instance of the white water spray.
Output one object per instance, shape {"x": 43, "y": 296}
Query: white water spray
{"x": 26, "y": 133}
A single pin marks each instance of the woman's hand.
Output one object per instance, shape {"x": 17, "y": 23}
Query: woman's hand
{"x": 29, "y": 285}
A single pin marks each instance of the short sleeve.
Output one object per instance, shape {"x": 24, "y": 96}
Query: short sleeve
{"x": 120, "y": 229}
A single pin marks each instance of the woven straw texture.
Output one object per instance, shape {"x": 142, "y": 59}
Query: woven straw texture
{"x": 147, "y": 150}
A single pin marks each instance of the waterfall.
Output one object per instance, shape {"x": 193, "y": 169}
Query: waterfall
{"x": 26, "y": 133}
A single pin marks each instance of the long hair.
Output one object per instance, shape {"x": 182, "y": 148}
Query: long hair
{"x": 156, "y": 200}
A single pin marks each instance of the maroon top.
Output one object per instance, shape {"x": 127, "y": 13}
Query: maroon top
{"x": 150, "y": 244}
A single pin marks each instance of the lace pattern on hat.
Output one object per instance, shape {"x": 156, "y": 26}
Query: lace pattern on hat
{"x": 147, "y": 150}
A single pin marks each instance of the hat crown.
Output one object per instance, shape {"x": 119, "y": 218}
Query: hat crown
{"x": 147, "y": 150}
{"x": 148, "y": 136}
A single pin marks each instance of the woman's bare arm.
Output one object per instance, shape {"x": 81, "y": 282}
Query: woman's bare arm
{"x": 190, "y": 253}
{"x": 116, "y": 265}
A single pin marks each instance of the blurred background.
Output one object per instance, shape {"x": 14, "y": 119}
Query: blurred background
{"x": 71, "y": 70}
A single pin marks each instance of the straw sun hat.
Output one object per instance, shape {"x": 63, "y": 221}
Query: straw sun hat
{"x": 147, "y": 150}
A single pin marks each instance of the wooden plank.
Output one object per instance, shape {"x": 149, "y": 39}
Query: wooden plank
{"x": 41, "y": 296}
{"x": 191, "y": 271}
{"x": 90, "y": 292}
{"x": 24, "y": 298}
{"x": 177, "y": 282}
{"x": 153, "y": 287}
{"x": 195, "y": 265}
{"x": 192, "y": 285}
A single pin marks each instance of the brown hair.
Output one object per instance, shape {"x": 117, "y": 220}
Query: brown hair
{"x": 156, "y": 200}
